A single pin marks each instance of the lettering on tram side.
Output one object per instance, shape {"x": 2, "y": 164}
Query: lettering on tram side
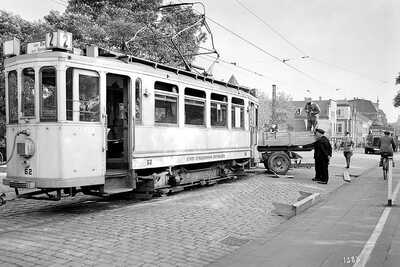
{"x": 205, "y": 157}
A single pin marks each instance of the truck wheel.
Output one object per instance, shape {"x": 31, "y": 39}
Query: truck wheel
{"x": 279, "y": 162}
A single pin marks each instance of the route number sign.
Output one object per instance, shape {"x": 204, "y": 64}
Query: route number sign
{"x": 59, "y": 39}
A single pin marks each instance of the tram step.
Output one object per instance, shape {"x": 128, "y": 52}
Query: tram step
{"x": 117, "y": 190}
{"x": 118, "y": 181}
{"x": 113, "y": 173}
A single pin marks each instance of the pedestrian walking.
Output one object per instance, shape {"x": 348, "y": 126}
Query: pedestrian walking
{"x": 312, "y": 109}
{"x": 348, "y": 145}
{"x": 322, "y": 155}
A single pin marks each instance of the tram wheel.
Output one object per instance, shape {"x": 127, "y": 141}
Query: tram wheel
{"x": 279, "y": 163}
{"x": 3, "y": 199}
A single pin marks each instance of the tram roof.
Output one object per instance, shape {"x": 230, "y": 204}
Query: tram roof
{"x": 128, "y": 59}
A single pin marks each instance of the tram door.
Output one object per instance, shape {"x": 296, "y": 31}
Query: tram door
{"x": 118, "y": 122}
{"x": 253, "y": 122}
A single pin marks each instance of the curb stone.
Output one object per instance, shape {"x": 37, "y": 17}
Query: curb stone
{"x": 305, "y": 201}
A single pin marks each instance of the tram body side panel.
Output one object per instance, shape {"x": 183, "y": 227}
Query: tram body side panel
{"x": 65, "y": 156}
{"x": 171, "y": 146}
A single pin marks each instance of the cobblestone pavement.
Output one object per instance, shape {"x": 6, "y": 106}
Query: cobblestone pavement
{"x": 192, "y": 228}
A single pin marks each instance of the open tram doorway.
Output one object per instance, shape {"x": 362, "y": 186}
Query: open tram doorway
{"x": 118, "y": 123}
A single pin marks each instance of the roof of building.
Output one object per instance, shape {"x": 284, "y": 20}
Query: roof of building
{"x": 361, "y": 117}
{"x": 364, "y": 107}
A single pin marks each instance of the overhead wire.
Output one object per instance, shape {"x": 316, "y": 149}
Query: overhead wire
{"x": 263, "y": 50}
{"x": 271, "y": 28}
{"x": 365, "y": 76}
{"x": 60, "y": 2}
{"x": 236, "y": 65}
{"x": 269, "y": 54}
{"x": 305, "y": 55}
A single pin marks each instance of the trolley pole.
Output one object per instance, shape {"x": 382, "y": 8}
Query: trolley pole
{"x": 389, "y": 179}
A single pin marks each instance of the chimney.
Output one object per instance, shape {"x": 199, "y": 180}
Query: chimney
{"x": 273, "y": 102}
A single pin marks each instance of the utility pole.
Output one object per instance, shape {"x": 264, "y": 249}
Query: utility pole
{"x": 273, "y": 116}
{"x": 355, "y": 135}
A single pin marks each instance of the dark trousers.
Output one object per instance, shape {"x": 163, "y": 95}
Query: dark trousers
{"x": 311, "y": 123}
{"x": 321, "y": 170}
{"x": 347, "y": 155}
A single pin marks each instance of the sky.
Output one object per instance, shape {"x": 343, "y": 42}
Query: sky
{"x": 337, "y": 49}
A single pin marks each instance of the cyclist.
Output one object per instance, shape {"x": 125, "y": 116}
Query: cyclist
{"x": 386, "y": 146}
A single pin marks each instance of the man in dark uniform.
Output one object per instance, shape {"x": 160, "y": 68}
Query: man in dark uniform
{"x": 322, "y": 155}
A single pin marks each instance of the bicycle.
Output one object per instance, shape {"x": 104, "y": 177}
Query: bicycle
{"x": 385, "y": 165}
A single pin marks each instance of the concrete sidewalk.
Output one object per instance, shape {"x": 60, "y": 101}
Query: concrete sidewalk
{"x": 332, "y": 233}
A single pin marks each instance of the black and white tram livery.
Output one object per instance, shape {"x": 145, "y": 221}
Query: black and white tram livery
{"x": 102, "y": 123}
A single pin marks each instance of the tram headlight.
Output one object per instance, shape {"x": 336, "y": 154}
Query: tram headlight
{"x": 26, "y": 148}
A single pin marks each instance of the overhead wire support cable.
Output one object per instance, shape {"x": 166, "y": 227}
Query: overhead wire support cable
{"x": 346, "y": 70}
{"x": 272, "y": 29}
{"x": 269, "y": 54}
{"x": 301, "y": 51}
{"x": 263, "y": 50}
{"x": 59, "y": 2}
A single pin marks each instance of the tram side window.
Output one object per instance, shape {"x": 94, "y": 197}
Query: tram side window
{"x": 237, "y": 113}
{"x": 195, "y": 102}
{"x": 219, "y": 108}
{"x": 28, "y": 92}
{"x": 138, "y": 100}
{"x": 68, "y": 94}
{"x": 48, "y": 94}
{"x": 89, "y": 98}
{"x": 13, "y": 97}
{"x": 166, "y": 103}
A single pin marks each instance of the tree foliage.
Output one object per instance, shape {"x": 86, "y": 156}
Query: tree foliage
{"x": 284, "y": 111}
{"x": 137, "y": 27}
{"x": 396, "y": 100}
{"x": 14, "y": 26}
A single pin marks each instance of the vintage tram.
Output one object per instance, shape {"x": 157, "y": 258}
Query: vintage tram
{"x": 103, "y": 123}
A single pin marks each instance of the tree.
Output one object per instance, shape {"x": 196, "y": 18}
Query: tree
{"x": 396, "y": 100}
{"x": 14, "y": 26}
{"x": 139, "y": 28}
{"x": 283, "y": 114}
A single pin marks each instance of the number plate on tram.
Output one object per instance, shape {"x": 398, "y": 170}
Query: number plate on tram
{"x": 28, "y": 171}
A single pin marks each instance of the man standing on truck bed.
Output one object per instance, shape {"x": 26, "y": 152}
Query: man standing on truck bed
{"x": 312, "y": 109}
